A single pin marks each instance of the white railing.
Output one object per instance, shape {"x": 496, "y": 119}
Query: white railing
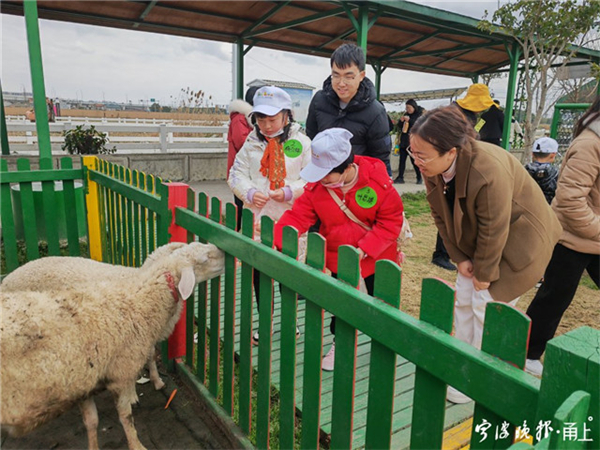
{"x": 162, "y": 138}
{"x": 111, "y": 120}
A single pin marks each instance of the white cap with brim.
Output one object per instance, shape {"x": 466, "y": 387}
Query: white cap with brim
{"x": 545, "y": 145}
{"x": 330, "y": 148}
{"x": 269, "y": 100}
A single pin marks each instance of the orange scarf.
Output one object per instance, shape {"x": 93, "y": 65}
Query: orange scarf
{"x": 272, "y": 164}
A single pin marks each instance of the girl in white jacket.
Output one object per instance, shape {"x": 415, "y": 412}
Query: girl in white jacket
{"x": 266, "y": 172}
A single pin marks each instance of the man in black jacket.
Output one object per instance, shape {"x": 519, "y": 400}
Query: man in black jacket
{"x": 348, "y": 100}
{"x": 492, "y": 125}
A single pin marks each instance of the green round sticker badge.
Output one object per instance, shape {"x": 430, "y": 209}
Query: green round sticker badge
{"x": 366, "y": 197}
{"x": 292, "y": 148}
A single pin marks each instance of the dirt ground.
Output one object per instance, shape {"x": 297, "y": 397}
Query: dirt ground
{"x": 584, "y": 311}
{"x": 181, "y": 426}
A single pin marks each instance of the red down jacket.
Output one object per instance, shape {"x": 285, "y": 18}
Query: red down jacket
{"x": 373, "y": 200}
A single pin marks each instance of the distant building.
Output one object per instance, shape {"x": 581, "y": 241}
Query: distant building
{"x": 301, "y": 94}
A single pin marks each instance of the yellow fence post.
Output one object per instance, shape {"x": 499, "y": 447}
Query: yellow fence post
{"x": 93, "y": 210}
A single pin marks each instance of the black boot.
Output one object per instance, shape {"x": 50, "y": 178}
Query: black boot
{"x": 399, "y": 180}
{"x": 443, "y": 262}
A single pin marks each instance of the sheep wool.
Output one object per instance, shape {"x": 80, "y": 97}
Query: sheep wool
{"x": 81, "y": 338}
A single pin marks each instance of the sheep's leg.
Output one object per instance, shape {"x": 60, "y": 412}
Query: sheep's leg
{"x": 125, "y": 398}
{"x": 154, "y": 376}
{"x": 90, "y": 419}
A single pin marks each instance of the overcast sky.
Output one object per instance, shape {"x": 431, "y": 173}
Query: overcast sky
{"x": 97, "y": 63}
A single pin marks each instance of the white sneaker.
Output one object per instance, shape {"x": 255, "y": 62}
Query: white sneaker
{"x": 329, "y": 360}
{"x": 455, "y": 396}
{"x": 534, "y": 367}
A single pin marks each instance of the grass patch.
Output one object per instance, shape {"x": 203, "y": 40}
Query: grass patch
{"x": 415, "y": 204}
{"x": 587, "y": 281}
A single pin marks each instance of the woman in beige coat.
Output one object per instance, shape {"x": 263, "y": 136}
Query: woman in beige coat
{"x": 577, "y": 205}
{"x": 492, "y": 216}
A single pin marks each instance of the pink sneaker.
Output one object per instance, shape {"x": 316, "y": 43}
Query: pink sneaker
{"x": 329, "y": 360}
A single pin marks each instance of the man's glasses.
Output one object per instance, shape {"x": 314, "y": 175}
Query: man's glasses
{"x": 418, "y": 158}
{"x": 336, "y": 77}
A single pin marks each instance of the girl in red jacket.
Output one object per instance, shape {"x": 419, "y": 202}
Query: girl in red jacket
{"x": 364, "y": 186}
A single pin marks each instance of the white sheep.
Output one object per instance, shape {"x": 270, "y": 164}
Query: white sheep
{"x": 54, "y": 272}
{"x": 60, "y": 347}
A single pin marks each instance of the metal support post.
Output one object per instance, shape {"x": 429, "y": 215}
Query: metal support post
{"x": 514, "y": 54}
{"x": 4, "y": 132}
{"x": 37, "y": 78}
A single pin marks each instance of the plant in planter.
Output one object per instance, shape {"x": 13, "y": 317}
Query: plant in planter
{"x": 86, "y": 141}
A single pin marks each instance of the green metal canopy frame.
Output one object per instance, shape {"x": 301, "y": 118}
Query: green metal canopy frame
{"x": 394, "y": 34}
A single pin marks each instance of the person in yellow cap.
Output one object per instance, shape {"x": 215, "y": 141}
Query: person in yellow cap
{"x": 477, "y": 100}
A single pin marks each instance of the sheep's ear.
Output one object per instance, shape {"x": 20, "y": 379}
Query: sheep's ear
{"x": 187, "y": 282}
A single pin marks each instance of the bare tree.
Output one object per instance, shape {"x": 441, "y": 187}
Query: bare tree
{"x": 548, "y": 33}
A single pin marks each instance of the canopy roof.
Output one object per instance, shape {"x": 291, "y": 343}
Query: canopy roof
{"x": 432, "y": 94}
{"x": 402, "y": 35}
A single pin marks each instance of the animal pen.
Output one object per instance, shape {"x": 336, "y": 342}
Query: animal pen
{"x": 388, "y": 389}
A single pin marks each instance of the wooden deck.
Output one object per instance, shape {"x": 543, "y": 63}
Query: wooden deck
{"x": 456, "y": 437}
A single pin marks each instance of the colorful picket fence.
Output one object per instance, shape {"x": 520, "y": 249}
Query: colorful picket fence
{"x": 130, "y": 214}
{"x": 42, "y": 211}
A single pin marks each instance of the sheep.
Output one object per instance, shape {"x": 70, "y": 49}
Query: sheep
{"x": 79, "y": 340}
{"x": 52, "y": 273}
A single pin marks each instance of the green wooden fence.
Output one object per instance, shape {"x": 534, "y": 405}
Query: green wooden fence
{"x": 41, "y": 211}
{"x": 135, "y": 217}
{"x": 564, "y": 119}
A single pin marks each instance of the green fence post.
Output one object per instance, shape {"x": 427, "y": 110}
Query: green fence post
{"x": 215, "y": 313}
{"x": 202, "y": 304}
{"x": 313, "y": 351}
{"x": 382, "y": 370}
{"x": 427, "y": 430}
{"x": 265, "y": 328}
{"x": 572, "y": 363}
{"x": 505, "y": 335}
{"x": 514, "y": 53}
{"x": 246, "y": 306}
{"x": 289, "y": 307}
{"x": 344, "y": 372}
{"x": 7, "y": 221}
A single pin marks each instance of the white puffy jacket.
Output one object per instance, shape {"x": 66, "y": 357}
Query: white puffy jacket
{"x": 245, "y": 172}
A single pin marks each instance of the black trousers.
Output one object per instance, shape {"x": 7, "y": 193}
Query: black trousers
{"x": 240, "y": 208}
{"x": 403, "y": 155}
{"x": 369, "y": 283}
{"x": 440, "y": 249}
{"x": 561, "y": 280}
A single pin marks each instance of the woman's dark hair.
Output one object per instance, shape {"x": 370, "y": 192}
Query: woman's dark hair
{"x": 590, "y": 115}
{"x": 250, "y": 94}
{"x": 346, "y": 55}
{"x": 343, "y": 166}
{"x": 412, "y": 103}
{"x": 286, "y": 129}
{"x": 444, "y": 128}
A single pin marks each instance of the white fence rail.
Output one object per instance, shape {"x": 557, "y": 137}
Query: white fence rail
{"x": 146, "y": 138}
{"x": 111, "y": 120}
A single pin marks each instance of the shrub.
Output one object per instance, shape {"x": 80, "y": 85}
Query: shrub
{"x": 86, "y": 141}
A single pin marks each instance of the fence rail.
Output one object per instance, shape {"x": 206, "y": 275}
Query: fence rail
{"x": 161, "y": 138}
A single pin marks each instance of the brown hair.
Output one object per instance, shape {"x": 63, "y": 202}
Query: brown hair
{"x": 444, "y": 128}
{"x": 590, "y": 115}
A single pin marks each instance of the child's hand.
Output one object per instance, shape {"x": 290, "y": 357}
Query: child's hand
{"x": 259, "y": 200}
{"x": 278, "y": 195}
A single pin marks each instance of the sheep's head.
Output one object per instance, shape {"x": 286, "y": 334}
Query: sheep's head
{"x": 196, "y": 263}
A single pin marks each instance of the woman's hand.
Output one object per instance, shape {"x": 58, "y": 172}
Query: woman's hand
{"x": 278, "y": 195}
{"x": 465, "y": 268}
{"x": 480, "y": 285}
{"x": 259, "y": 200}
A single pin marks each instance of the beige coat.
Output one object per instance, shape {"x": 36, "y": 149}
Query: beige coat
{"x": 501, "y": 220}
{"x": 577, "y": 201}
